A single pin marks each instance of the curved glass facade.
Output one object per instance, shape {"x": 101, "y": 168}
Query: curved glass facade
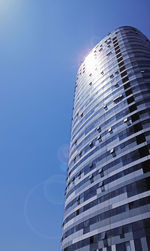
{"x": 108, "y": 182}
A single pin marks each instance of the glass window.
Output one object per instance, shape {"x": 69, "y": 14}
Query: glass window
{"x": 128, "y": 248}
{"x": 121, "y": 247}
{"x": 138, "y": 246}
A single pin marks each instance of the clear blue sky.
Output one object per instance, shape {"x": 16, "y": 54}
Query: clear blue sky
{"x": 41, "y": 45}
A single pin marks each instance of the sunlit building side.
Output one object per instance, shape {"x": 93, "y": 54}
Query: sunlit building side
{"x": 107, "y": 193}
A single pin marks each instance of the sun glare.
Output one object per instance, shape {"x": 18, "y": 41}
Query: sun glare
{"x": 91, "y": 62}
{"x": 6, "y": 5}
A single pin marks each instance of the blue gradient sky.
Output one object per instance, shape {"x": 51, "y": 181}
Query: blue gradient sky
{"x": 42, "y": 43}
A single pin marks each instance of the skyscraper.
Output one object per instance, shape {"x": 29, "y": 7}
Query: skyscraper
{"x": 107, "y": 204}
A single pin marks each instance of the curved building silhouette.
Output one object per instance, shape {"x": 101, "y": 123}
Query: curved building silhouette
{"x": 107, "y": 204}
